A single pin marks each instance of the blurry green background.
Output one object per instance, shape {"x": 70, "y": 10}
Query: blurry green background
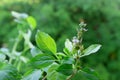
{"x": 60, "y": 18}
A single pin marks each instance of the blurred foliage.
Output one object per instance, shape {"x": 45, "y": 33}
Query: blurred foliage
{"x": 59, "y": 18}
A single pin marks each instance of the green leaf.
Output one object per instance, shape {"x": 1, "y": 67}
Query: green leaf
{"x": 32, "y": 75}
{"x": 19, "y": 15}
{"x": 86, "y": 74}
{"x": 65, "y": 69}
{"x": 68, "y": 60}
{"x": 2, "y": 57}
{"x": 91, "y": 49}
{"x": 52, "y": 74}
{"x": 68, "y": 45}
{"x": 8, "y": 72}
{"x": 66, "y": 51}
{"x": 42, "y": 60}
{"x": 61, "y": 54}
{"x": 90, "y": 74}
{"x": 79, "y": 76}
{"x": 5, "y": 51}
{"x": 32, "y": 22}
{"x": 45, "y": 42}
{"x": 35, "y": 51}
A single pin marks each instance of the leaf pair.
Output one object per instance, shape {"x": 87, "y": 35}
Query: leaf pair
{"x": 46, "y": 45}
{"x": 90, "y": 50}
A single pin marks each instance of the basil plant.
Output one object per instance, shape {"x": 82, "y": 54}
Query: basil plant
{"x": 42, "y": 61}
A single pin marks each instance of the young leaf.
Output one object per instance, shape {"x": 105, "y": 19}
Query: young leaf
{"x": 32, "y": 22}
{"x": 42, "y": 60}
{"x": 19, "y": 15}
{"x": 91, "y": 49}
{"x": 66, "y": 51}
{"x": 8, "y": 72}
{"x": 32, "y": 75}
{"x": 45, "y": 42}
{"x": 68, "y": 45}
{"x": 61, "y": 54}
{"x": 65, "y": 69}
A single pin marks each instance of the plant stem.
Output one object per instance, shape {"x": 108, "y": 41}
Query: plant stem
{"x": 15, "y": 46}
{"x": 19, "y": 65}
{"x": 44, "y": 78}
{"x": 69, "y": 78}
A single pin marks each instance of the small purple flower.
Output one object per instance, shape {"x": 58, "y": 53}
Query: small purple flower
{"x": 75, "y": 40}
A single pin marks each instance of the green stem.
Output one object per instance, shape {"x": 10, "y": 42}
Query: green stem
{"x": 19, "y": 65}
{"x": 69, "y": 78}
{"x": 16, "y": 43}
{"x": 10, "y": 61}
{"x": 75, "y": 69}
{"x": 77, "y": 63}
{"x": 15, "y": 46}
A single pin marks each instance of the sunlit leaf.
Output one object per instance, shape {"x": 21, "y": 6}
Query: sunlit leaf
{"x": 45, "y": 42}
{"x": 68, "y": 45}
{"x": 32, "y": 22}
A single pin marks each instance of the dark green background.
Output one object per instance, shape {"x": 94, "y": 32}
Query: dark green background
{"x": 60, "y": 18}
